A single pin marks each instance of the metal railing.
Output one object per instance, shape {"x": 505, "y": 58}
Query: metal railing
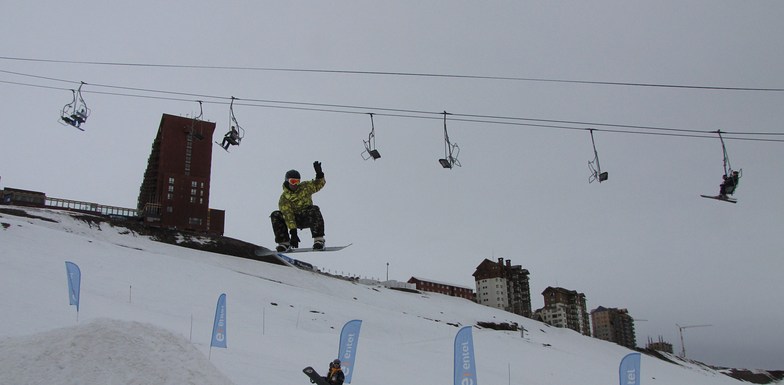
{"x": 90, "y": 207}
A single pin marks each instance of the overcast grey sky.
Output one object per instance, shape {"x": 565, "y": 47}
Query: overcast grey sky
{"x": 643, "y": 240}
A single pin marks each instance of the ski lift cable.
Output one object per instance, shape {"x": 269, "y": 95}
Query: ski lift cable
{"x": 411, "y": 113}
{"x": 406, "y": 111}
{"x": 147, "y": 90}
{"x": 393, "y": 73}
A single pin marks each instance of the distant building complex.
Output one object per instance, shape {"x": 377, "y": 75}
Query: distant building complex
{"x": 565, "y": 309}
{"x": 503, "y": 286}
{"x": 432, "y": 286}
{"x": 614, "y": 325}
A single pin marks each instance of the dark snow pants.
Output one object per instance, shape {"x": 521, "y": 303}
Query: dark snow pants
{"x": 308, "y": 217}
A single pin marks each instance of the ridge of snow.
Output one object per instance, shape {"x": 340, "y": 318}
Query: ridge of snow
{"x": 279, "y": 319}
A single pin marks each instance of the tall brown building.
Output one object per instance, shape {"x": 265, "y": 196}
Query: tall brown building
{"x": 175, "y": 192}
{"x": 614, "y": 325}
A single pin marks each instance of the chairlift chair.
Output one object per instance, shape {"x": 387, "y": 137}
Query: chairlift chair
{"x": 451, "y": 151}
{"x": 596, "y": 172}
{"x": 236, "y": 132}
{"x": 370, "y": 144}
{"x": 730, "y": 179}
{"x": 76, "y": 112}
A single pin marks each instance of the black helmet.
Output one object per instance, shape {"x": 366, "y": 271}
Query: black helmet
{"x": 292, "y": 174}
{"x": 335, "y": 363}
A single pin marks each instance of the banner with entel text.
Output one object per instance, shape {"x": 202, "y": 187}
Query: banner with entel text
{"x": 74, "y": 283}
{"x": 219, "y": 326}
{"x": 347, "y": 352}
{"x": 465, "y": 363}
{"x": 629, "y": 370}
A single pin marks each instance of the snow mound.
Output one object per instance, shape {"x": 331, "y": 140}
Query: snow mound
{"x": 105, "y": 351}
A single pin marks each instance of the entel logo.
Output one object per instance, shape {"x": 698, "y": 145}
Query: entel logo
{"x": 467, "y": 377}
{"x": 631, "y": 376}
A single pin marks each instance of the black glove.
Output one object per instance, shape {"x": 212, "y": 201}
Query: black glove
{"x": 294, "y": 241}
{"x": 319, "y": 171}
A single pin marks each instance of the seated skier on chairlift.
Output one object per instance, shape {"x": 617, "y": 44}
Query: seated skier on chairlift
{"x": 76, "y": 112}
{"x": 231, "y": 138}
{"x": 727, "y": 186}
{"x": 77, "y": 118}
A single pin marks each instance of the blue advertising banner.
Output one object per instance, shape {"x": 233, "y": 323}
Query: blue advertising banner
{"x": 465, "y": 363}
{"x": 219, "y": 326}
{"x": 629, "y": 370}
{"x": 347, "y": 352}
{"x": 74, "y": 283}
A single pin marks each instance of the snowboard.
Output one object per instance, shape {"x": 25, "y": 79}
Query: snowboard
{"x": 720, "y": 198}
{"x": 310, "y": 249}
{"x": 263, "y": 251}
{"x": 314, "y": 377}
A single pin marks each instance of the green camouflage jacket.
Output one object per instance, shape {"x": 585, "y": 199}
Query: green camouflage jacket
{"x": 292, "y": 201}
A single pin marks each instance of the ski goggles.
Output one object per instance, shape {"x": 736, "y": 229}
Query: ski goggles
{"x": 293, "y": 181}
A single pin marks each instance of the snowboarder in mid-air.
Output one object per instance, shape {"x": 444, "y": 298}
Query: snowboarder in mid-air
{"x": 297, "y": 211}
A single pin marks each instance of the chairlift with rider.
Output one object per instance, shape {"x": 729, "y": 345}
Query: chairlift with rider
{"x": 76, "y": 112}
{"x": 730, "y": 178}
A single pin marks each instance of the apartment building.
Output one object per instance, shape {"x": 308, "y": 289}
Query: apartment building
{"x": 175, "y": 191}
{"x": 565, "y": 309}
{"x": 503, "y": 286}
{"x": 614, "y": 325}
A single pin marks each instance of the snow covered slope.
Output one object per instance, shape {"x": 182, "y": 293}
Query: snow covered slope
{"x": 147, "y": 306}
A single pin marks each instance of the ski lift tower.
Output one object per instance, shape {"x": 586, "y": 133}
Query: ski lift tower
{"x": 680, "y": 331}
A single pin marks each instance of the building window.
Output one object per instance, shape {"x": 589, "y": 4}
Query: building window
{"x": 193, "y": 184}
{"x": 171, "y": 188}
{"x": 193, "y": 191}
{"x": 171, "y": 180}
{"x": 169, "y": 196}
{"x": 169, "y": 209}
{"x": 193, "y": 199}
